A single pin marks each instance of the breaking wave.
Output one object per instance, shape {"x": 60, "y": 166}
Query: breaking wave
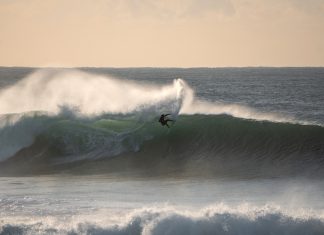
{"x": 213, "y": 220}
{"x": 51, "y": 90}
{"x": 57, "y": 120}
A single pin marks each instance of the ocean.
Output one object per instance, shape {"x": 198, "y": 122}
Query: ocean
{"x": 82, "y": 151}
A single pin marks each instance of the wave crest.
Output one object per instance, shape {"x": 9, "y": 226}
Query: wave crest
{"x": 169, "y": 221}
{"x": 51, "y": 89}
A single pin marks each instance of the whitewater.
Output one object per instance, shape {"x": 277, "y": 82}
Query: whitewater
{"x": 81, "y": 151}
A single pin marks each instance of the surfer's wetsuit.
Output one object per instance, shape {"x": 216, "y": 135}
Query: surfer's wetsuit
{"x": 164, "y": 121}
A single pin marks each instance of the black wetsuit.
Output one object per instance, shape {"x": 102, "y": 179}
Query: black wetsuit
{"x": 164, "y": 121}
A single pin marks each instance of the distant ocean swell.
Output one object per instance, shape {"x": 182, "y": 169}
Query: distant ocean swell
{"x": 46, "y": 126}
{"x": 155, "y": 222}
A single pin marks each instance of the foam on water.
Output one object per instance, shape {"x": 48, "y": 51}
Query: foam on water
{"x": 215, "y": 219}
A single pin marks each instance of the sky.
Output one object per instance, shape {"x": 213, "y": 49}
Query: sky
{"x": 161, "y": 33}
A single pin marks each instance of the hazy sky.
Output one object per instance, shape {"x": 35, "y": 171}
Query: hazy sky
{"x": 159, "y": 33}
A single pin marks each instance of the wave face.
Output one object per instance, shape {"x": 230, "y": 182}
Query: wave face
{"x": 62, "y": 120}
{"x": 195, "y": 144}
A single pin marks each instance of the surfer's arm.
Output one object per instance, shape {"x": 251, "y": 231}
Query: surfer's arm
{"x": 167, "y": 114}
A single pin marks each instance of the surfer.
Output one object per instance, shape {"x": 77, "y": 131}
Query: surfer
{"x": 164, "y": 120}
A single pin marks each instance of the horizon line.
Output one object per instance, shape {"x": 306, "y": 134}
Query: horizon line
{"x": 153, "y": 67}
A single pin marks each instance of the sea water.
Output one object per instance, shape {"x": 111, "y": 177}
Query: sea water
{"x": 82, "y": 152}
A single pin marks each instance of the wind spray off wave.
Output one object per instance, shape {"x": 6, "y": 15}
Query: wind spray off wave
{"x": 50, "y": 90}
{"x": 64, "y": 116}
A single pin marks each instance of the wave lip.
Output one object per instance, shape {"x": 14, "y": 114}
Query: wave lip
{"x": 50, "y": 89}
